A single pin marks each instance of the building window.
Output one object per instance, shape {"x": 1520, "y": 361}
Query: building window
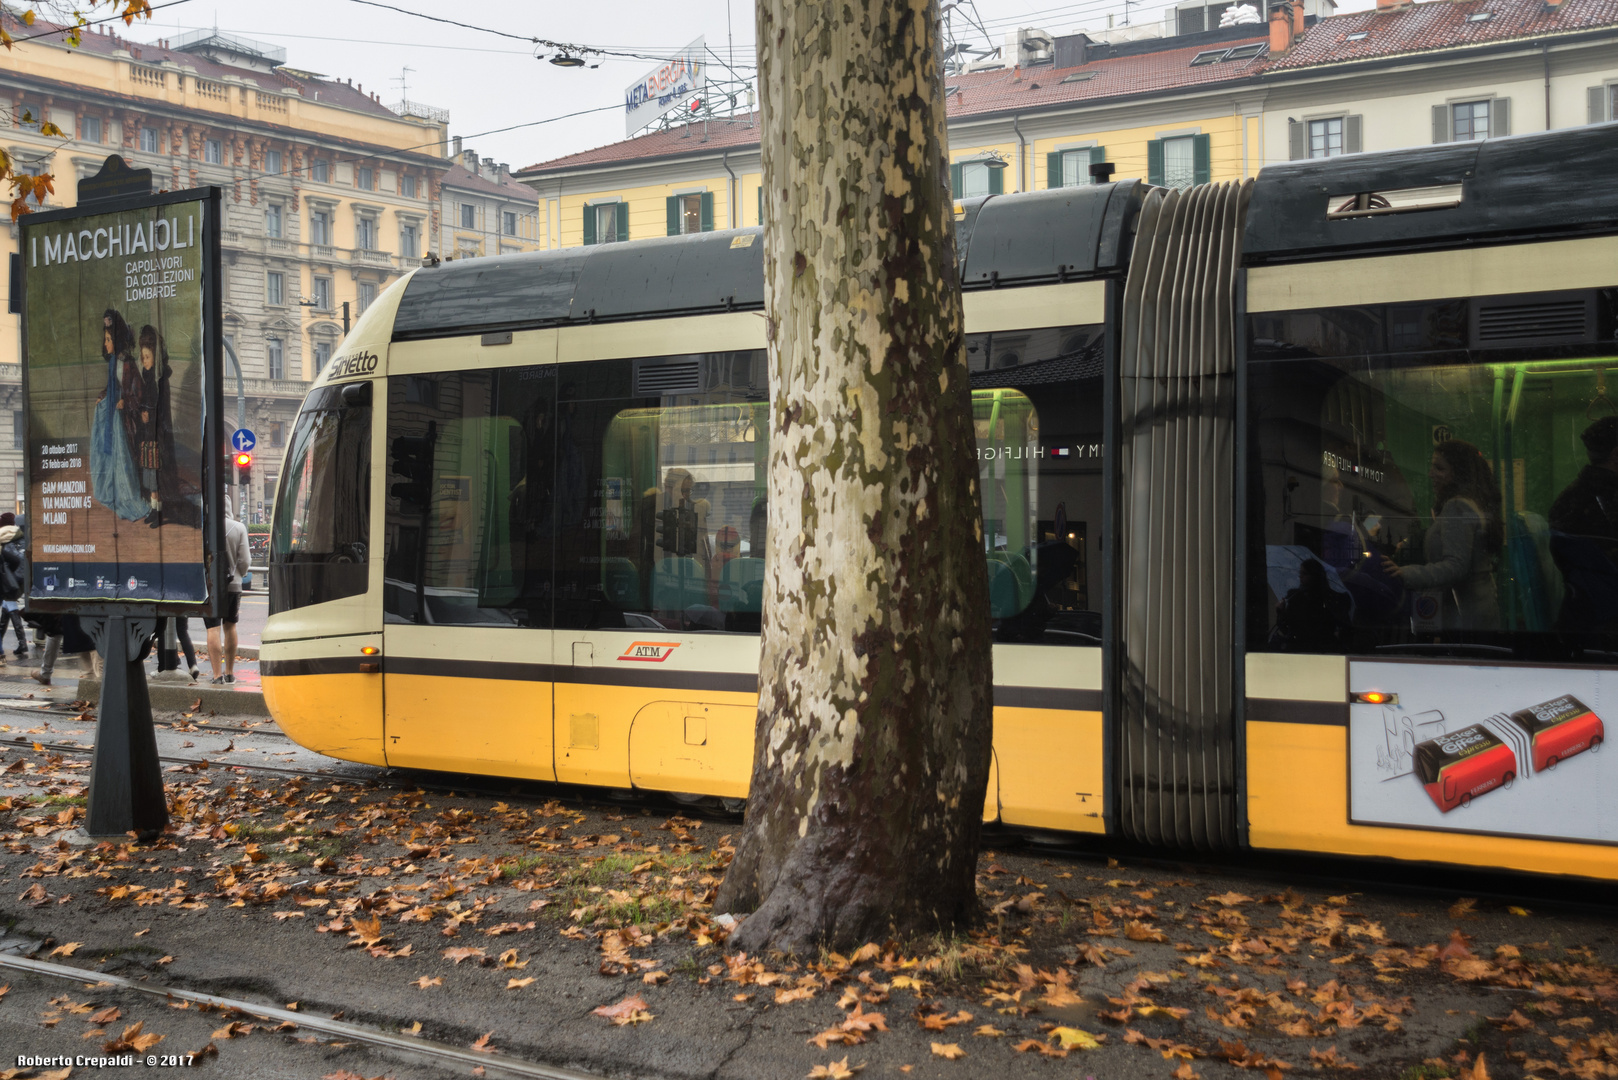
{"x": 90, "y": 129}
{"x": 606, "y": 223}
{"x": 275, "y": 287}
{"x": 272, "y": 221}
{"x": 467, "y": 249}
{"x": 320, "y": 227}
{"x": 407, "y": 186}
{"x": 972, "y": 179}
{"x": 689, "y": 213}
{"x": 272, "y": 162}
{"x": 275, "y": 357}
{"x": 1470, "y": 121}
{"x": 148, "y": 140}
{"x": 367, "y": 294}
{"x": 469, "y": 216}
{"x": 1326, "y": 137}
{"x": 1179, "y": 169}
{"x": 1071, "y": 168}
{"x": 409, "y": 241}
{"x": 322, "y": 356}
{"x": 320, "y": 169}
{"x": 365, "y": 233}
{"x": 366, "y": 179}
{"x": 213, "y": 152}
{"x": 508, "y": 222}
{"x": 19, "y": 429}
{"x": 322, "y": 293}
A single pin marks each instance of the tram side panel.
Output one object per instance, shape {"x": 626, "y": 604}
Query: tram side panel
{"x": 1427, "y": 452}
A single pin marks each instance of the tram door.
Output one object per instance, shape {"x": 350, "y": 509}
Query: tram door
{"x": 469, "y": 522}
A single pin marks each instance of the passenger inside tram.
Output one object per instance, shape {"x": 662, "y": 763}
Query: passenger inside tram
{"x": 1584, "y": 536}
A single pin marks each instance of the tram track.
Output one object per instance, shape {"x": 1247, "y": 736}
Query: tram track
{"x": 413, "y": 1048}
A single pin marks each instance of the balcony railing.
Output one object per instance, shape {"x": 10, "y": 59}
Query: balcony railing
{"x": 281, "y": 388}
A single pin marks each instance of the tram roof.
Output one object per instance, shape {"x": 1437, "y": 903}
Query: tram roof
{"x": 1029, "y": 238}
{"x": 1546, "y": 184}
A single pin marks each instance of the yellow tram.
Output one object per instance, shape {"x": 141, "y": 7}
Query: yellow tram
{"x": 519, "y": 530}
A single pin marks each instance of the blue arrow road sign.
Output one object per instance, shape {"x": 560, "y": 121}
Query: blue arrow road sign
{"x": 243, "y": 440}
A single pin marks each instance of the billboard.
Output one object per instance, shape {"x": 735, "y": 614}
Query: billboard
{"x": 667, "y": 86}
{"x": 120, "y": 377}
{"x": 1508, "y": 751}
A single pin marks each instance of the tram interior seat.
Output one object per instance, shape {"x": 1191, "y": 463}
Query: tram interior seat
{"x": 1011, "y": 584}
{"x": 741, "y": 585}
{"x": 678, "y": 583}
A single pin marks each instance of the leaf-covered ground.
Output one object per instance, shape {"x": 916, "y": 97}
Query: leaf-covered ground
{"x": 547, "y": 927}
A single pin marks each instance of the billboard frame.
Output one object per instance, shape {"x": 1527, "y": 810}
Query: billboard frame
{"x": 213, "y": 441}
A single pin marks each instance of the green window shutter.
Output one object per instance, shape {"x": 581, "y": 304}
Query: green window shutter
{"x": 1353, "y": 134}
{"x": 674, "y": 215}
{"x": 623, "y": 220}
{"x": 589, "y": 225}
{"x": 1201, "y": 159}
{"x": 955, "y": 181}
{"x": 1053, "y": 170}
{"x": 1500, "y": 117}
{"x": 1098, "y": 155}
{"x": 1297, "y": 140}
{"x": 707, "y": 211}
{"x": 997, "y": 181}
{"x": 1154, "y": 162}
{"x": 1441, "y": 124}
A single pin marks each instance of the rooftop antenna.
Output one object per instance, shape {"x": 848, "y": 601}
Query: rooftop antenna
{"x": 404, "y": 83}
{"x": 1126, "y": 10}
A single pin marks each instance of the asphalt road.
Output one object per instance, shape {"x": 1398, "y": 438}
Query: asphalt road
{"x": 394, "y": 840}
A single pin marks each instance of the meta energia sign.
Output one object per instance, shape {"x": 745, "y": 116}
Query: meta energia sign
{"x": 667, "y": 86}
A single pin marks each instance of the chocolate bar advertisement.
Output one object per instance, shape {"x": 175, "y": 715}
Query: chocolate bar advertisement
{"x": 1466, "y": 748}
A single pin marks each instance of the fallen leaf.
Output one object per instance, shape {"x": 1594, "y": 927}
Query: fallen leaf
{"x": 1462, "y": 908}
{"x": 232, "y": 1030}
{"x": 1477, "y": 1072}
{"x": 1186, "y": 1072}
{"x": 424, "y": 982}
{"x": 518, "y": 984}
{"x": 784, "y": 996}
{"x": 631, "y": 1010}
{"x": 462, "y": 953}
{"x": 66, "y": 950}
{"x": 837, "y": 1070}
{"x": 1328, "y": 1059}
{"x": 1135, "y": 930}
{"x": 1520, "y": 911}
{"x": 950, "y": 1051}
{"x": 1075, "y": 1038}
{"x": 482, "y": 1045}
{"x": 105, "y": 1016}
{"x": 988, "y": 1031}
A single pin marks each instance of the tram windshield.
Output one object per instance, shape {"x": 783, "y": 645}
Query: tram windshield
{"x": 318, "y": 543}
{"x": 1413, "y": 494}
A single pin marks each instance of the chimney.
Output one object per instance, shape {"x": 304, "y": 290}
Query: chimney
{"x": 1389, "y": 5}
{"x": 1297, "y": 19}
{"x": 457, "y": 143}
{"x": 1281, "y": 34}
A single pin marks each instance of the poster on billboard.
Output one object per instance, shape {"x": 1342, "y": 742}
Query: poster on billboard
{"x": 667, "y": 86}
{"x": 120, "y": 373}
{"x": 1506, "y": 751}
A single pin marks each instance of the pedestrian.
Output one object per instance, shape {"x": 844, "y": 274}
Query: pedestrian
{"x": 223, "y": 637}
{"x": 11, "y": 584}
{"x": 64, "y": 634}
{"x": 168, "y": 647}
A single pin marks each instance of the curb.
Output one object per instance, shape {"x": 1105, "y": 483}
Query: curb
{"x": 181, "y": 696}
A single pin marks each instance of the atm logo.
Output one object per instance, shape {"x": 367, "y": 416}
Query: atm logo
{"x": 651, "y": 652}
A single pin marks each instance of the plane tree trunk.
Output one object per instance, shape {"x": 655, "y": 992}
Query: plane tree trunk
{"x": 874, "y": 725}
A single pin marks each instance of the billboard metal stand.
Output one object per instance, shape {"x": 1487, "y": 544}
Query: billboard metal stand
{"x": 126, "y": 781}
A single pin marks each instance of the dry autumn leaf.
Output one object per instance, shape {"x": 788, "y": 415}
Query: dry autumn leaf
{"x": 948, "y": 1051}
{"x": 460, "y": 953}
{"x": 518, "y": 984}
{"x": 67, "y": 950}
{"x": 837, "y": 1070}
{"x": 424, "y": 982}
{"x": 482, "y": 1046}
{"x": 1075, "y": 1039}
{"x": 988, "y": 1031}
{"x": 1135, "y": 930}
{"x": 631, "y": 1010}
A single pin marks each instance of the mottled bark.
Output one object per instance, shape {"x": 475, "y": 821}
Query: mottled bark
{"x": 872, "y": 750}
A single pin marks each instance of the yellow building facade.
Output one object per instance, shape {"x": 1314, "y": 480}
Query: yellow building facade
{"x": 328, "y": 196}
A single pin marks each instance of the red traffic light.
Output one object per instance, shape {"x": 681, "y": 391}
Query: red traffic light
{"x": 244, "y": 460}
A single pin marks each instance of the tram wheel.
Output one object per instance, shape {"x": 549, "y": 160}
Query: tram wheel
{"x": 1550, "y": 762}
{"x": 1466, "y": 800}
{"x": 1508, "y": 779}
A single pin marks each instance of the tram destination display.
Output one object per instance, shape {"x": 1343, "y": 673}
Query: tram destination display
{"x": 116, "y": 357}
{"x": 1507, "y": 751}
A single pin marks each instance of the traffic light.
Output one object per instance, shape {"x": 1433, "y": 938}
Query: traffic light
{"x": 244, "y": 467}
{"x": 413, "y": 459}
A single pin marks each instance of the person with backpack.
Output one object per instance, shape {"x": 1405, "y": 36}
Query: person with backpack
{"x": 11, "y": 584}
{"x": 222, "y": 638}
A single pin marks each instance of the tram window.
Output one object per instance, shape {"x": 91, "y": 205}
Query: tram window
{"x": 670, "y": 458}
{"x": 1037, "y": 409}
{"x": 1458, "y": 502}
{"x": 472, "y": 470}
{"x": 322, "y": 527}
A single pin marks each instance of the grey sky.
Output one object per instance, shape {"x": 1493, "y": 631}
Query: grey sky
{"x": 489, "y": 82}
